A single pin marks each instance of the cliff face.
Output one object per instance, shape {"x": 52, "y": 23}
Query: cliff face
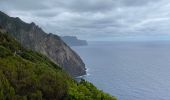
{"x": 33, "y": 37}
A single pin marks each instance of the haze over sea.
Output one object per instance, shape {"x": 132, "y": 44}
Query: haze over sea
{"x": 134, "y": 70}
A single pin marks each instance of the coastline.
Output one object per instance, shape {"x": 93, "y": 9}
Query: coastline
{"x": 78, "y": 78}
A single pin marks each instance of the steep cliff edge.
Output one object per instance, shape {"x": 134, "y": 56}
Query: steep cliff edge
{"x": 33, "y": 37}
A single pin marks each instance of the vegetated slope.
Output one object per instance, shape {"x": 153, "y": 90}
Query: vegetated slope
{"x": 28, "y": 75}
{"x": 33, "y": 37}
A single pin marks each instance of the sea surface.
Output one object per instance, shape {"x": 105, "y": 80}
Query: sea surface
{"x": 129, "y": 70}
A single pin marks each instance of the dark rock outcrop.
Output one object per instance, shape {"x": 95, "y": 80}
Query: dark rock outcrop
{"x": 74, "y": 41}
{"x": 33, "y": 37}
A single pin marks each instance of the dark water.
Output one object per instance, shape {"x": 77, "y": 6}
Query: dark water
{"x": 129, "y": 70}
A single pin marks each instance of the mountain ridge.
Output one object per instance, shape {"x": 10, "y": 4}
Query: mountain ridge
{"x": 33, "y": 37}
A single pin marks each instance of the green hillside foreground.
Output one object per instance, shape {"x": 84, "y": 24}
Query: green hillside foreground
{"x": 28, "y": 75}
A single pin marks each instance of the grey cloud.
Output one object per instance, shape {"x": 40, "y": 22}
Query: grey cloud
{"x": 89, "y": 5}
{"x": 45, "y": 13}
{"x": 25, "y": 5}
{"x": 92, "y": 18}
{"x": 99, "y": 5}
{"x": 137, "y": 2}
{"x": 72, "y": 5}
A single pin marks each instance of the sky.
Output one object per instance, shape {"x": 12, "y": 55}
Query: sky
{"x": 94, "y": 19}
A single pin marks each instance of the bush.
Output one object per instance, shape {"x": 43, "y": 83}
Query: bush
{"x": 4, "y": 52}
{"x": 86, "y": 91}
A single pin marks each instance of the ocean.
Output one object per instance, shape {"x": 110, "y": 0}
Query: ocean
{"x": 129, "y": 70}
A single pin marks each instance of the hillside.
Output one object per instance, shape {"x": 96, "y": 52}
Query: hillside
{"x": 33, "y": 37}
{"x": 28, "y": 75}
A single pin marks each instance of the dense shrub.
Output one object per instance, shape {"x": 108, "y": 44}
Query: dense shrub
{"x": 86, "y": 91}
{"x": 4, "y": 52}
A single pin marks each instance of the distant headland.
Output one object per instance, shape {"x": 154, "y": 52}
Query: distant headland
{"x": 74, "y": 41}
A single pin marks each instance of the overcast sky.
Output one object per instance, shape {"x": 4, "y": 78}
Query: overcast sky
{"x": 94, "y": 19}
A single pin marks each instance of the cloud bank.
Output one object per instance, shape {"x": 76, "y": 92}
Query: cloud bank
{"x": 94, "y": 19}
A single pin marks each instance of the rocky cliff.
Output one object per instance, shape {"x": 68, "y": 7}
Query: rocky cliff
{"x": 33, "y": 37}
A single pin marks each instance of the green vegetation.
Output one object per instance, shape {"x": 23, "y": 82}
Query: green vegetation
{"x": 86, "y": 91}
{"x": 28, "y": 75}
